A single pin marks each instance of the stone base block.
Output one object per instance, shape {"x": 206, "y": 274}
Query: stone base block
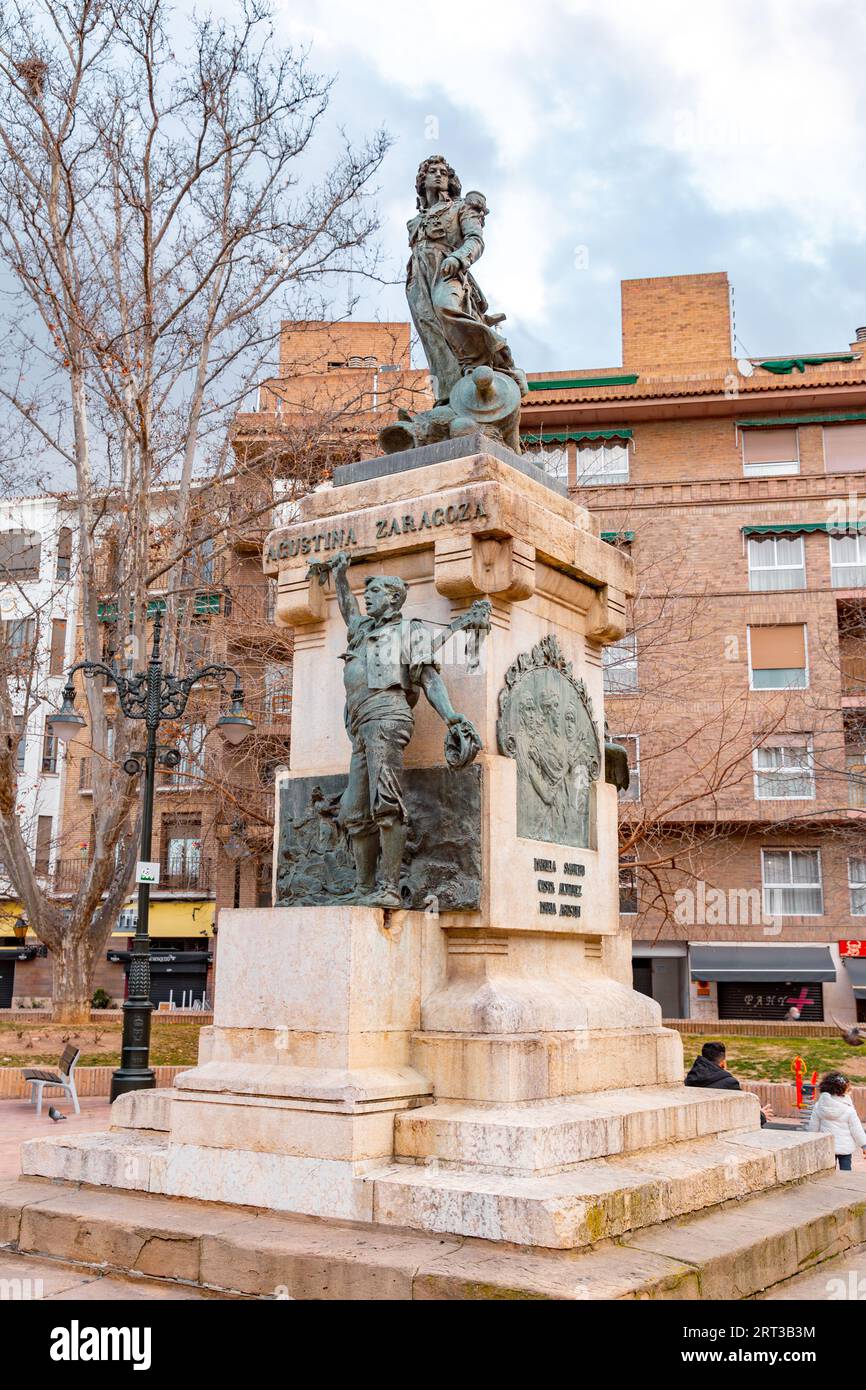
{"x": 348, "y": 1090}
{"x": 599, "y": 1199}
{"x": 542, "y": 1066}
{"x": 143, "y": 1110}
{"x": 553, "y": 1136}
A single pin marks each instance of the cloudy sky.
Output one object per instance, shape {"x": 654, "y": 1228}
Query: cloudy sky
{"x": 621, "y": 139}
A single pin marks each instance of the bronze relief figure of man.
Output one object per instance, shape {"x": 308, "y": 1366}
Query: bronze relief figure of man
{"x": 389, "y": 661}
{"x": 447, "y": 305}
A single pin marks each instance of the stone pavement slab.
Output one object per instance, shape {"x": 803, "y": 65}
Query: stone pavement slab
{"x": 25, "y": 1278}
{"x": 19, "y": 1121}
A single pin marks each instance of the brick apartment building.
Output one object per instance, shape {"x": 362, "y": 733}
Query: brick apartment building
{"x": 740, "y": 692}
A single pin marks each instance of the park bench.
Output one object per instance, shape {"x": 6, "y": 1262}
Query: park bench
{"x": 64, "y": 1078}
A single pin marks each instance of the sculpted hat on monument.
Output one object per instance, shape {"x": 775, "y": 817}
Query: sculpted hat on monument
{"x": 474, "y": 376}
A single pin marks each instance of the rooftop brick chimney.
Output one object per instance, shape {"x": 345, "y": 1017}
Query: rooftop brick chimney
{"x": 676, "y": 321}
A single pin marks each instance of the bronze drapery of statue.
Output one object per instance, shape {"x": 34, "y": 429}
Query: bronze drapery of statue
{"x": 450, "y": 312}
{"x": 475, "y": 381}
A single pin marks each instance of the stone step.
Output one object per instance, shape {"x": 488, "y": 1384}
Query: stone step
{"x": 553, "y": 1136}
{"x": 736, "y": 1251}
{"x": 129, "y": 1159}
{"x": 600, "y": 1198}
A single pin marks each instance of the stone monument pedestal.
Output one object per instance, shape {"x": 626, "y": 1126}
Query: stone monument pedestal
{"x": 479, "y": 1064}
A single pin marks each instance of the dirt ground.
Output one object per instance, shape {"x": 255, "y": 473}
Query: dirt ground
{"x": 35, "y": 1044}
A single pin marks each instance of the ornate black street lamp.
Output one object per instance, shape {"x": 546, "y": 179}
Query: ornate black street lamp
{"x": 154, "y": 697}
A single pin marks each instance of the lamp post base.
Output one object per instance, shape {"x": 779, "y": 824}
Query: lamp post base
{"x": 131, "y": 1079}
{"x": 134, "y": 1072}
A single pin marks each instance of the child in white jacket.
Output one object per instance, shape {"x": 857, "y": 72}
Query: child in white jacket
{"x": 834, "y": 1114}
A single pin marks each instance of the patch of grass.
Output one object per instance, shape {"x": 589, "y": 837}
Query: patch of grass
{"x": 769, "y": 1059}
{"x": 40, "y": 1044}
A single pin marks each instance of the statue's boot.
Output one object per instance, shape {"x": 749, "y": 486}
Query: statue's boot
{"x": 390, "y": 864}
{"x": 365, "y": 851}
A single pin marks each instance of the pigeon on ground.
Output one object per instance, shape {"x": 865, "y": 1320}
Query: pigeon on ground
{"x": 853, "y": 1036}
{"x": 55, "y": 1114}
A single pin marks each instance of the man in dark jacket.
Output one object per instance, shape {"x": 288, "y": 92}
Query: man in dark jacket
{"x": 711, "y": 1069}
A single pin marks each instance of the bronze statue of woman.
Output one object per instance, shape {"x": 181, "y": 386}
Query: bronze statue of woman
{"x": 447, "y": 305}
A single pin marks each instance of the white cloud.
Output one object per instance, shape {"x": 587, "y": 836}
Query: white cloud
{"x": 662, "y": 137}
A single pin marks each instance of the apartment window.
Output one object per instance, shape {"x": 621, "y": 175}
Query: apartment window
{"x": 777, "y": 657}
{"x": 792, "y": 883}
{"x": 199, "y": 566}
{"x": 784, "y": 770}
{"x": 631, "y": 743}
{"x": 42, "y": 858}
{"x": 776, "y": 562}
{"x": 57, "y": 659}
{"x": 19, "y": 634}
{"x": 197, "y": 645}
{"x": 844, "y": 448}
{"x": 855, "y": 770}
{"x": 181, "y": 856}
{"x": 20, "y": 555}
{"x": 619, "y": 661}
{"x": 64, "y": 553}
{"x": 605, "y": 462}
{"x": 857, "y": 886}
{"x": 769, "y": 452}
{"x": 191, "y": 749}
{"x": 49, "y": 750}
{"x": 21, "y": 751}
{"x": 848, "y": 561}
{"x": 553, "y": 459}
{"x": 278, "y": 691}
{"x": 628, "y": 895}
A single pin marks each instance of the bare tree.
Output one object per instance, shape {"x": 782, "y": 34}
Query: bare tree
{"x": 159, "y": 215}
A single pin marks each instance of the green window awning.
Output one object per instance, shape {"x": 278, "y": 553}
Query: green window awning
{"x": 828, "y": 418}
{"x": 729, "y": 964}
{"x": 561, "y": 436}
{"x": 204, "y": 603}
{"x": 611, "y": 536}
{"x": 784, "y": 366}
{"x": 577, "y": 383}
{"x": 796, "y": 528}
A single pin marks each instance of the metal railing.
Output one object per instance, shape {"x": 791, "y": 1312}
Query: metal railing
{"x": 186, "y": 877}
{"x": 68, "y": 874}
{"x": 856, "y": 768}
{"x": 251, "y": 603}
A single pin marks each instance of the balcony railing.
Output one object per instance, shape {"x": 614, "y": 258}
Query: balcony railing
{"x": 251, "y": 603}
{"x": 106, "y": 577}
{"x": 68, "y": 874}
{"x": 855, "y": 765}
{"x": 186, "y": 878}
